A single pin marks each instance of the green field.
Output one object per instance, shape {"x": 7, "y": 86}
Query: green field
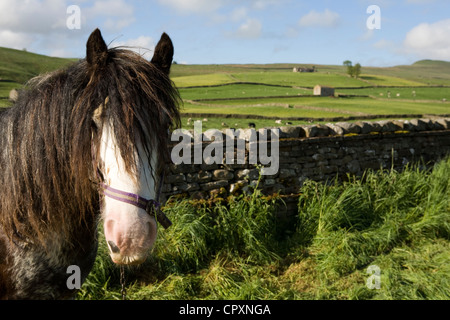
{"x": 234, "y": 91}
{"x": 274, "y": 91}
{"x": 411, "y": 93}
{"x": 17, "y": 67}
{"x": 203, "y": 80}
{"x": 318, "y": 107}
{"x": 285, "y": 78}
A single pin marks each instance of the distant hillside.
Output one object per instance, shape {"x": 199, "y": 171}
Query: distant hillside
{"x": 19, "y": 66}
{"x": 434, "y": 63}
{"x": 428, "y": 72}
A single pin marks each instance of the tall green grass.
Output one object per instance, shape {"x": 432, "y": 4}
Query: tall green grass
{"x": 239, "y": 248}
{"x": 383, "y": 219}
{"x": 350, "y": 224}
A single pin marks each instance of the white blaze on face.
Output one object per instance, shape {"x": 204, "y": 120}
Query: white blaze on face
{"x": 129, "y": 231}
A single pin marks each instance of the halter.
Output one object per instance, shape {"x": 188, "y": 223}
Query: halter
{"x": 151, "y": 206}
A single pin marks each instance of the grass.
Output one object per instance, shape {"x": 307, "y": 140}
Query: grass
{"x": 318, "y": 107}
{"x": 181, "y": 70}
{"x": 300, "y": 79}
{"x": 281, "y": 78}
{"x": 427, "y": 72}
{"x": 402, "y": 93}
{"x": 6, "y": 87}
{"x": 385, "y": 80}
{"x": 202, "y": 80}
{"x": 240, "y": 249}
{"x": 19, "y": 65}
{"x": 235, "y": 91}
{"x": 263, "y": 91}
{"x": 261, "y": 108}
{"x": 224, "y": 123}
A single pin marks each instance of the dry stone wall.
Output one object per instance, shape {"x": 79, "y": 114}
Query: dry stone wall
{"x": 320, "y": 153}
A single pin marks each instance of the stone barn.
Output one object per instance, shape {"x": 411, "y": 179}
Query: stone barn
{"x": 323, "y": 91}
{"x": 304, "y": 69}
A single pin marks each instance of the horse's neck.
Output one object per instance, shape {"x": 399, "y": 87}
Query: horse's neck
{"x": 43, "y": 273}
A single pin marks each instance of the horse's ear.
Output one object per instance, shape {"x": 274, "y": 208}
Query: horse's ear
{"x": 162, "y": 58}
{"x": 96, "y": 50}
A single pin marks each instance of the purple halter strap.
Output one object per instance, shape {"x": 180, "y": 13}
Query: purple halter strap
{"x": 127, "y": 197}
{"x": 152, "y": 207}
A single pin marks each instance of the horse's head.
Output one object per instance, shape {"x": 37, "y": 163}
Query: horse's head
{"x": 129, "y": 129}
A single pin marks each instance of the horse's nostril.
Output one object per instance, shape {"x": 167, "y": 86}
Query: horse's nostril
{"x": 113, "y": 247}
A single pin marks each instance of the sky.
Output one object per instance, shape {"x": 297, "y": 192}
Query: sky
{"x": 231, "y": 31}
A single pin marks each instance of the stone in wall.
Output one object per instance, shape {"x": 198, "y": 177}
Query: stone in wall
{"x": 349, "y": 127}
{"x": 222, "y": 174}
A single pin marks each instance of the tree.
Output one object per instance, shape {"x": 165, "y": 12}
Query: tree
{"x": 352, "y": 71}
{"x": 357, "y": 70}
{"x": 349, "y": 66}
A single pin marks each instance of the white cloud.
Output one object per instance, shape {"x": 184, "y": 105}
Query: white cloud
{"x": 40, "y": 25}
{"x": 430, "y": 41}
{"x": 319, "y": 19}
{"x": 15, "y": 40}
{"x": 26, "y": 23}
{"x": 250, "y": 29}
{"x": 193, "y": 6}
{"x": 117, "y": 13}
{"x": 33, "y": 16}
{"x": 49, "y": 16}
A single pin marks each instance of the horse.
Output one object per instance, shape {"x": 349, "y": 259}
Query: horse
{"x": 83, "y": 145}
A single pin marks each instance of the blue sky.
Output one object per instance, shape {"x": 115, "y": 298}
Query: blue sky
{"x": 232, "y": 31}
